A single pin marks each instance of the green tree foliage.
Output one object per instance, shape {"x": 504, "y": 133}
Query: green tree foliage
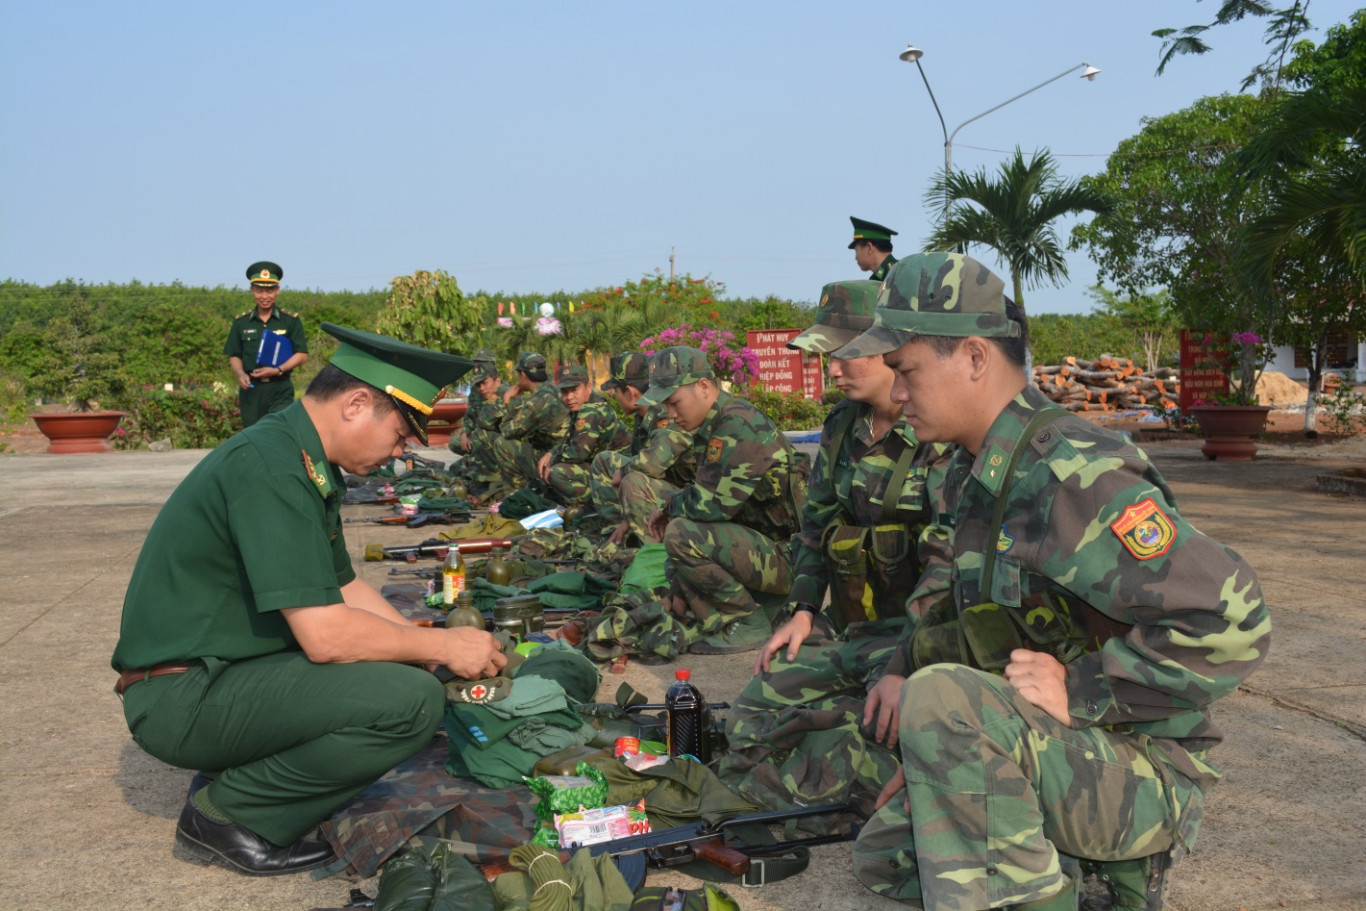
{"x": 429, "y": 309}
{"x": 1053, "y": 337}
{"x": 1148, "y": 317}
{"x": 1284, "y": 24}
{"x": 1013, "y": 213}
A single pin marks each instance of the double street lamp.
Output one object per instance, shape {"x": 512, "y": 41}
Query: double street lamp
{"x": 912, "y": 54}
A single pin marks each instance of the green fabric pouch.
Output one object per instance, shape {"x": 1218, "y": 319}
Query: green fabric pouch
{"x": 667, "y": 898}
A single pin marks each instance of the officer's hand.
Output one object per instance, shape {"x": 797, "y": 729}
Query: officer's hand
{"x": 511, "y": 394}
{"x": 1041, "y": 680}
{"x": 884, "y": 706}
{"x": 243, "y": 381}
{"x": 790, "y": 635}
{"x": 657, "y": 525}
{"x": 464, "y": 443}
{"x": 543, "y": 467}
{"x": 475, "y": 654}
{"x": 619, "y": 533}
{"x": 889, "y": 790}
{"x": 616, "y": 479}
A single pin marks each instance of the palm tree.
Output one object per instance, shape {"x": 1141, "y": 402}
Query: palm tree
{"x": 1013, "y": 213}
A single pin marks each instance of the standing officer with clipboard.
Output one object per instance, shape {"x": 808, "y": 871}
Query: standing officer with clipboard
{"x": 263, "y": 346}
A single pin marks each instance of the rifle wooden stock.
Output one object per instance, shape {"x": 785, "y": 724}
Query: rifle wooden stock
{"x": 410, "y": 552}
{"x": 715, "y": 851}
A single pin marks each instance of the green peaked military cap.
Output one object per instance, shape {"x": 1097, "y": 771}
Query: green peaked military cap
{"x": 844, "y": 312}
{"x": 571, "y": 375}
{"x": 673, "y": 368}
{"x": 869, "y": 230}
{"x": 265, "y": 273}
{"x": 629, "y": 369}
{"x": 945, "y": 294}
{"x": 413, "y": 377}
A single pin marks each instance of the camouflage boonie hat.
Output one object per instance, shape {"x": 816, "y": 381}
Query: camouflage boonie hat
{"x": 571, "y": 375}
{"x": 532, "y": 364}
{"x": 845, "y": 311}
{"x": 629, "y": 369}
{"x": 673, "y": 368}
{"x": 946, "y": 294}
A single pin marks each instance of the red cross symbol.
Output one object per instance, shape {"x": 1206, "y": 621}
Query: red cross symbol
{"x": 478, "y": 691}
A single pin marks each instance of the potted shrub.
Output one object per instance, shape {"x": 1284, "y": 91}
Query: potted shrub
{"x": 1231, "y": 422}
{"x": 82, "y": 378}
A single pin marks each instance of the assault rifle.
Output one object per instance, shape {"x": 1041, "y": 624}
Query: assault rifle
{"x": 423, "y": 517}
{"x": 433, "y": 547}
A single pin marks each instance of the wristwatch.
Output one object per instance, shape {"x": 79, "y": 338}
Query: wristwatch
{"x": 803, "y": 607}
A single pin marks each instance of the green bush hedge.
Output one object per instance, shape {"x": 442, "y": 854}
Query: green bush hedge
{"x": 191, "y": 417}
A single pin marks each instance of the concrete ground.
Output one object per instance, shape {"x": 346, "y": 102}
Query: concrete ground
{"x": 87, "y": 819}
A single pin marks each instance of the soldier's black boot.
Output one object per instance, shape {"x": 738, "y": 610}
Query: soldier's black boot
{"x": 1133, "y": 885}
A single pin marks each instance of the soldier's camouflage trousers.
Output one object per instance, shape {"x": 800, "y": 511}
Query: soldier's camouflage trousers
{"x": 516, "y": 462}
{"x": 606, "y": 500}
{"x": 796, "y": 733}
{"x": 479, "y": 463}
{"x": 568, "y": 482}
{"x": 997, "y": 788}
{"x": 639, "y": 497}
{"x": 723, "y": 567}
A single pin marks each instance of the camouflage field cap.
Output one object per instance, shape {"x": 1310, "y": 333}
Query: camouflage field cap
{"x": 845, "y": 311}
{"x": 532, "y": 364}
{"x": 571, "y": 375}
{"x": 935, "y": 294}
{"x": 868, "y": 230}
{"x": 673, "y": 368}
{"x": 483, "y": 370}
{"x": 265, "y": 273}
{"x": 413, "y": 377}
{"x": 629, "y": 369}
{"x": 485, "y": 356}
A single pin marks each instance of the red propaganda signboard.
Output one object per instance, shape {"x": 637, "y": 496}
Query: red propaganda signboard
{"x": 783, "y": 369}
{"x": 1201, "y": 381}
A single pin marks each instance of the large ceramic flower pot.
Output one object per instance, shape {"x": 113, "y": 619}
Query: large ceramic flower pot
{"x": 445, "y": 420}
{"x": 1230, "y": 430}
{"x": 79, "y": 431}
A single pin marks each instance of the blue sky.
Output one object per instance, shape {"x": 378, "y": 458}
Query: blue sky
{"x": 538, "y": 146}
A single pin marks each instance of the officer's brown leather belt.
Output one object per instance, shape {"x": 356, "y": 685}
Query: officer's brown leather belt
{"x": 130, "y": 677}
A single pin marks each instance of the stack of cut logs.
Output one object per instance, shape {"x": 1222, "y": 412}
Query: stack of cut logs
{"x": 1107, "y": 384}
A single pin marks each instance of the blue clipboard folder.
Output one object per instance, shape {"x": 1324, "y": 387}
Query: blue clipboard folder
{"x": 274, "y": 350}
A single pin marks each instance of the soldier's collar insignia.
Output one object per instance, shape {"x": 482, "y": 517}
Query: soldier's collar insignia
{"x": 992, "y": 472}
{"x": 1004, "y": 542}
{"x": 581, "y": 424}
{"x": 1144, "y": 530}
{"x": 714, "y": 447}
{"x": 319, "y": 477}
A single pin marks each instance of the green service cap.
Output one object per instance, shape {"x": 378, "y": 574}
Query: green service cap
{"x": 571, "y": 375}
{"x": 265, "y": 273}
{"x": 629, "y": 369}
{"x": 869, "y": 230}
{"x": 946, "y": 294}
{"x": 413, "y": 377}
{"x": 532, "y": 364}
{"x": 845, "y": 311}
{"x": 672, "y": 368}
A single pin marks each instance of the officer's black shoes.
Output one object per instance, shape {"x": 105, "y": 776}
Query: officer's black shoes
{"x": 202, "y": 841}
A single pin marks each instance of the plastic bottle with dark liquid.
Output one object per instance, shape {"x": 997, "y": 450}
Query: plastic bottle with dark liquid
{"x": 688, "y": 721}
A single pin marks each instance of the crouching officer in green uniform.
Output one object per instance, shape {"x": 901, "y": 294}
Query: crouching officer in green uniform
{"x": 796, "y": 733}
{"x": 263, "y": 389}
{"x": 1057, "y": 716}
{"x": 535, "y": 423}
{"x": 726, "y": 533}
{"x": 653, "y": 460}
{"x": 250, "y": 650}
{"x": 872, "y": 246}
{"x": 593, "y": 428}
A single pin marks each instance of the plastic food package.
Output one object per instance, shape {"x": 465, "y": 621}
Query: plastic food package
{"x": 589, "y": 827}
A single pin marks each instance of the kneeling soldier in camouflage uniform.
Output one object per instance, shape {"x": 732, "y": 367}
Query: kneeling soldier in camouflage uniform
{"x": 536, "y": 421}
{"x": 1058, "y": 708}
{"x": 795, "y": 731}
{"x": 594, "y": 428}
{"x": 658, "y": 457}
{"x": 726, "y": 533}
{"x": 479, "y": 428}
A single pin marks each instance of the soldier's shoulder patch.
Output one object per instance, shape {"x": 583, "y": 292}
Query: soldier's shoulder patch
{"x": 714, "y": 447}
{"x": 1144, "y": 530}
{"x": 1004, "y": 541}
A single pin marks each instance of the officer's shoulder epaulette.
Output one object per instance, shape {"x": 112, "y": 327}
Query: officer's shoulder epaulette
{"x": 244, "y": 314}
{"x": 293, "y": 314}
{"x": 1054, "y": 447}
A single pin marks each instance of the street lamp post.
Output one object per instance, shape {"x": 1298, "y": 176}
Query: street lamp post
{"x": 912, "y": 54}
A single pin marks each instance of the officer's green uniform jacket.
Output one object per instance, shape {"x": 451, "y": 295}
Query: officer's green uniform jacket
{"x": 1093, "y": 564}
{"x": 255, "y": 528}
{"x": 745, "y": 472}
{"x": 848, "y": 486}
{"x": 538, "y": 417}
{"x": 594, "y": 428}
{"x": 881, "y": 271}
{"x": 272, "y": 393}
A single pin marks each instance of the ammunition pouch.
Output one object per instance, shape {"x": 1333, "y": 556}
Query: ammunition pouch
{"x": 868, "y": 569}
